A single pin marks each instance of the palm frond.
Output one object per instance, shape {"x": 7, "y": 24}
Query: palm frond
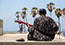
{"x": 35, "y": 8}
{"x": 24, "y": 9}
{"x": 17, "y": 12}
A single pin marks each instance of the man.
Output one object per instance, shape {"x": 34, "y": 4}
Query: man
{"x": 43, "y": 29}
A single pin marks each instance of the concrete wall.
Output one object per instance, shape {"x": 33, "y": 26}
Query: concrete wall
{"x": 53, "y": 43}
{"x": 1, "y": 27}
{"x": 1, "y": 43}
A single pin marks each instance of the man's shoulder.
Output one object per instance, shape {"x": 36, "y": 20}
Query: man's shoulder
{"x": 43, "y": 17}
{"x": 48, "y": 17}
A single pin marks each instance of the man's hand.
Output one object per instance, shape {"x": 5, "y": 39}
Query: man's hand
{"x": 28, "y": 25}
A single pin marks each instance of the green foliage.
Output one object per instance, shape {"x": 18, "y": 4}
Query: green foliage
{"x": 23, "y": 12}
{"x": 50, "y": 6}
{"x": 52, "y": 3}
{"x": 24, "y": 9}
{"x": 1, "y": 20}
{"x": 33, "y": 12}
{"x": 58, "y": 12}
{"x": 63, "y": 9}
{"x": 58, "y": 9}
{"x": 17, "y": 12}
{"x": 35, "y": 8}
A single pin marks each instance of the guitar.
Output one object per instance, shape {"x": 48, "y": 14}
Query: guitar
{"x": 19, "y": 21}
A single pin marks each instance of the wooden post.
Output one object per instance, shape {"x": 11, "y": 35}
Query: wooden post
{"x": 59, "y": 26}
{"x": 1, "y": 27}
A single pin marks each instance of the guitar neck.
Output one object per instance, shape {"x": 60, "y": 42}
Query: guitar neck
{"x": 19, "y": 21}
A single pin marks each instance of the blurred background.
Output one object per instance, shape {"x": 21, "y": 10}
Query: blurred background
{"x": 8, "y": 8}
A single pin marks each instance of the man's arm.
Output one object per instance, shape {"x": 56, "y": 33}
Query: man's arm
{"x": 35, "y": 25}
{"x": 53, "y": 24}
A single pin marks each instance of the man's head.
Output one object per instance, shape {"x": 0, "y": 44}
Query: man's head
{"x": 42, "y": 12}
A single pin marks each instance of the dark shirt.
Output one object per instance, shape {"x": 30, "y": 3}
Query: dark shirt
{"x": 43, "y": 29}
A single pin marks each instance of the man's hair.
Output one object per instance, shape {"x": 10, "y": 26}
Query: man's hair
{"x": 42, "y": 11}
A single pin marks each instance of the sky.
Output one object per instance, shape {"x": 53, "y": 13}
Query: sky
{"x": 8, "y": 8}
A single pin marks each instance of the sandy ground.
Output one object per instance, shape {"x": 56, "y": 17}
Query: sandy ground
{"x": 14, "y": 37}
